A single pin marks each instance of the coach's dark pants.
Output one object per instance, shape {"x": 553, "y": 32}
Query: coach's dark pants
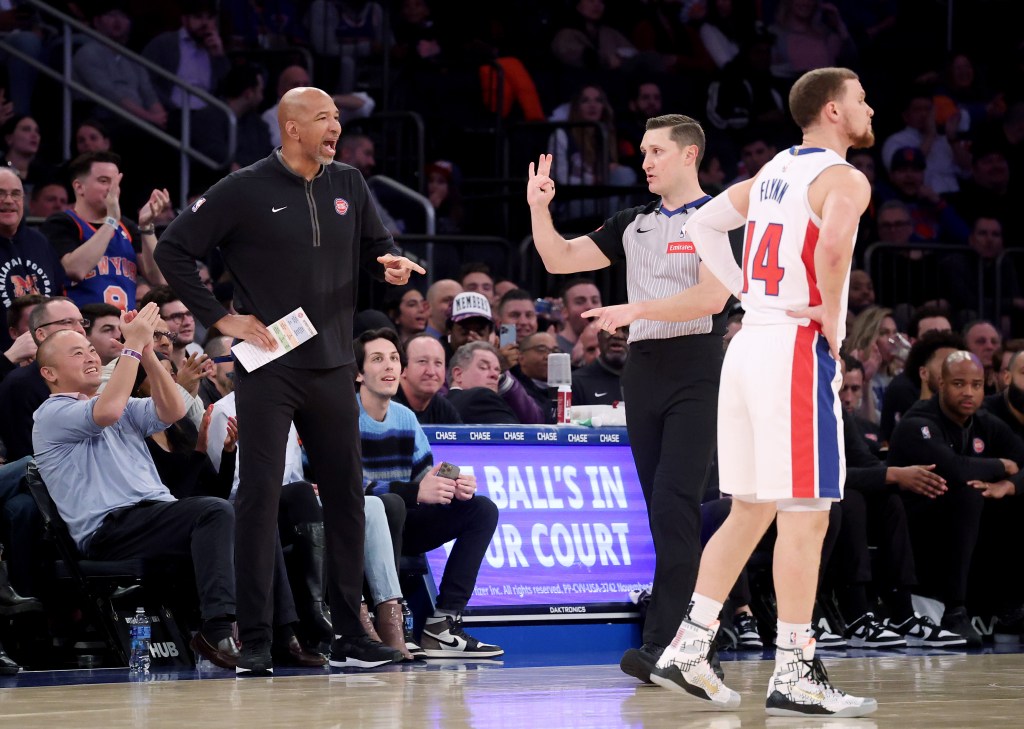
{"x": 671, "y": 386}
{"x": 323, "y": 406}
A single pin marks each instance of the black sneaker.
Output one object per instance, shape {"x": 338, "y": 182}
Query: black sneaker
{"x": 1009, "y": 626}
{"x": 638, "y": 662}
{"x": 748, "y": 637}
{"x": 957, "y": 621}
{"x": 254, "y": 661}
{"x": 868, "y": 632}
{"x": 921, "y": 631}
{"x": 361, "y": 651}
{"x": 446, "y": 639}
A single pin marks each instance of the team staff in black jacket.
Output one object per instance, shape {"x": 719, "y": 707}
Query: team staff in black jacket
{"x": 979, "y": 457}
{"x": 293, "y": 230}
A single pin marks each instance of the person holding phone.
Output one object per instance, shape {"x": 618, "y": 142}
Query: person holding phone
{"x": 442, "y": 502}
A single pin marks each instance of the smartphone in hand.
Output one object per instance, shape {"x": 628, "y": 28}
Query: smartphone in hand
{"x": 507, "y": 335}
{"x": 447, "y": 470}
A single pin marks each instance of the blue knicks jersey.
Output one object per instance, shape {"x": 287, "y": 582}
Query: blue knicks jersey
{"x": 112, "y": 281}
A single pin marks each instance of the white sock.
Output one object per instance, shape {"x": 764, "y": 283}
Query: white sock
{"x": 439, "y": 615}
{"x": 704, "y": 610}
{"x": 793, "y": 635}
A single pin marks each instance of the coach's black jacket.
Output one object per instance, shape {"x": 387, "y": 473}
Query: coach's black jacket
{"x": 288, "y": 242}
{"x": 925, "y": 435}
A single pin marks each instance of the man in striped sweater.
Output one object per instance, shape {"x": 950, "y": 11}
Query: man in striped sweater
{"x": 397, "y": 459}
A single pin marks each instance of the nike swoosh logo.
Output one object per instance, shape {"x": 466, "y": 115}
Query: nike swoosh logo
{"x": 277, "y": 210}
{"x": 641, "y": 230}
{"x": 453, "y": 643}
{"x": 600, "y": 394}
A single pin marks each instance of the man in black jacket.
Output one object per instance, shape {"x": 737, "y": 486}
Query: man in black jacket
{"x": 979, "y": 457}
{"x": 293, "y": 230}
{"x": 1008, "y": 405}
{"x": 873, "y": 513}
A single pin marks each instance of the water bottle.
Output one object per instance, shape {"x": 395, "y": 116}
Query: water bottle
{"x": 407, "y": 622}
{"x": 141, "y": 632}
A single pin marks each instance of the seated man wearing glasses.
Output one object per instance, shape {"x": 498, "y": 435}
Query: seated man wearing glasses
{"x": 179, "y": 320}
{"x": 23, "y": 390}
{"x": 532, "y": 370}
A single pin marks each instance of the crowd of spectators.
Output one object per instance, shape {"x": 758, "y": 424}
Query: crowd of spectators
{"x": 936, "y": 266}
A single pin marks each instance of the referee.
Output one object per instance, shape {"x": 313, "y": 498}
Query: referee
{"x": 675, "y": 353}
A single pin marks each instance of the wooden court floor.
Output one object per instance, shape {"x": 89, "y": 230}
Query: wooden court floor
{"x": 981, "y": 690}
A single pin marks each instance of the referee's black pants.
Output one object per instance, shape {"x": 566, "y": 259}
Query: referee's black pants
{"x": 322, "y": 404}
{"x": 671, "y": 387}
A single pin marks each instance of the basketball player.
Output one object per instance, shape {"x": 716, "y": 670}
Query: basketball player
{"x": 779, "y": 420}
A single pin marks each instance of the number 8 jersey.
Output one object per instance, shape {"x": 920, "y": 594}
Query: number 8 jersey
{"x": 780, "y": 238}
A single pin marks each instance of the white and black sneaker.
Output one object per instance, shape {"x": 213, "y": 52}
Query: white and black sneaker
{"x": 800, "y": 687}
{"x": 684, "y": 667}
{"x": 361, "y": 651}
{"x": 824, "y": 637}
{"x": 868, "y": 632}
{"x": 445, "y": 638}
{"x": 747, "y": 635}
{"x": 920, "y": 630}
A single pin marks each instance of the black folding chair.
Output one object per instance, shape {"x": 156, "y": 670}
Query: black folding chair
{"x": 100, "y": 583}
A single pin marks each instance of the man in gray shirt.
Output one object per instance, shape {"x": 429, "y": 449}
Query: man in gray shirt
{"x": 91, "y": 453}
{"x": 113, "y": 76}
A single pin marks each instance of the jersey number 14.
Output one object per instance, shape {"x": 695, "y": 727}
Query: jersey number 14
{"x": 766, "y": 259}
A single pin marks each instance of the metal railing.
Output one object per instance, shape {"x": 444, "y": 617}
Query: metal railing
{"x": 1006, "y": 258}
{"x": 64, "y": 77}
{"x": 881, "y": 250}
{"x": 397, "y": 130}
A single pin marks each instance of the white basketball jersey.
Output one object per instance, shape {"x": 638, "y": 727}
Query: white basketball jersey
{"x": 780, "y": 238}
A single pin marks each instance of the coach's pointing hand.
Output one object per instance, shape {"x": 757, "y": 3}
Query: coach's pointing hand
{"x": 398, "y": 269}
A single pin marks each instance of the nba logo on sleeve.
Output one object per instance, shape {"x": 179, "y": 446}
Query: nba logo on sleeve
{"x": 340, "y": 205}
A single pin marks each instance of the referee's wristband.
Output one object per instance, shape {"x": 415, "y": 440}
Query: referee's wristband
{"x": 125, "y": 352}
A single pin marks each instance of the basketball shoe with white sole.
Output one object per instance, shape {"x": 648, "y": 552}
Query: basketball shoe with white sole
{"x": 800, "y": 687}
{"x": 445, "y": 638}
{"x": 684, "y": 667}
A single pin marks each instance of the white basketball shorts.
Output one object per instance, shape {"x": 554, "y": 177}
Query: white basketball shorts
{"x": 780, "y": 426}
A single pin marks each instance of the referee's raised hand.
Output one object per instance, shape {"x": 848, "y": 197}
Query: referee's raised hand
{"x": 540, "y": 188}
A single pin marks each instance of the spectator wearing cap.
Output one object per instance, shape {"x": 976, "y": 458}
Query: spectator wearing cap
{"x": 471, "y": 321}
{"x": 942, "y": 167}
{"x": 935, "y": 221}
